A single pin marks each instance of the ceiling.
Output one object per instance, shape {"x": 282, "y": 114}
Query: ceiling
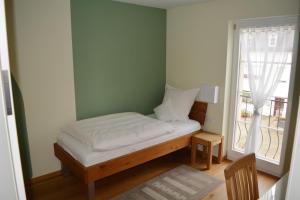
{"x": 165, "y": 4}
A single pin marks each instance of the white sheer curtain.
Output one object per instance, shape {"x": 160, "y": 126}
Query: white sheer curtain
{"x": 265, "y": 51}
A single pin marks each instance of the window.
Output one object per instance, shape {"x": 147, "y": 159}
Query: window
{"x": 263, "y": 75}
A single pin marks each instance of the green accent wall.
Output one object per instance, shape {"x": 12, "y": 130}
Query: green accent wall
{"x": 21, "y": 130}
{"x": 119, "y": 53}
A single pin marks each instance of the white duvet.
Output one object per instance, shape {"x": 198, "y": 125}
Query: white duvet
{"x": 116, "y": 130}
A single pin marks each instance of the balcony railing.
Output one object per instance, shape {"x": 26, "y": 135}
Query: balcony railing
{"x": 271, "y": 127}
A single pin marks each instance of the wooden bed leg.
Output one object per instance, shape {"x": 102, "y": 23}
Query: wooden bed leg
{"x": 91, "y": 191}
{"x": 65, "y": 171}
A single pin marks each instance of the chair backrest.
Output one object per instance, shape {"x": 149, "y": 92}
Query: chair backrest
{"x": 241, "y": 179}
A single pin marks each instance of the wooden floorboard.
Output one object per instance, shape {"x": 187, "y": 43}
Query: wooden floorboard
{"x": 68, "y": 188}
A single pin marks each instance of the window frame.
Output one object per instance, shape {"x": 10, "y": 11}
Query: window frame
{"x": 269, "y": 167}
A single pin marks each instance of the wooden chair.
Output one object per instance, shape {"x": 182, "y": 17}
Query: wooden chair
{"x": 241, "y": 179}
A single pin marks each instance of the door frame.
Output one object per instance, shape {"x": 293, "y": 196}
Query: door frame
{"x": 268, "y": 167}
{"x": 14, "y": 185}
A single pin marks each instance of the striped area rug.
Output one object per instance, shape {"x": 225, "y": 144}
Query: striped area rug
{"x": 181, "y": 183}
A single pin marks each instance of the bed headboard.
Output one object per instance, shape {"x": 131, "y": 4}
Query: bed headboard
{"x": 198, "y": 112}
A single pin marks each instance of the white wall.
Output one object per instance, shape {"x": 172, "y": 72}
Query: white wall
{"x": 294, "y": 175}
{"x": 197, "y": 43}
{"x": 44, "y": 72}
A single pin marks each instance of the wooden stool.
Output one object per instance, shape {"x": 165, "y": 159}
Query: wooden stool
{"x": 208, "y": 140}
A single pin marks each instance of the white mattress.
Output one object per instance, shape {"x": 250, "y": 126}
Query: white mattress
{"x": 86, "y": 156}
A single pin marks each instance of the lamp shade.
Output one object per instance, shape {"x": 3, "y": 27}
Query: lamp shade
{"x": 209, "y": 94}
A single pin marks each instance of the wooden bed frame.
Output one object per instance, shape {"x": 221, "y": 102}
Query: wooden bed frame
{"x": 95, "y": 172}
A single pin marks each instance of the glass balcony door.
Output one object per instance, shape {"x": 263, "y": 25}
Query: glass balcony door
{"x": 275, "y": 114}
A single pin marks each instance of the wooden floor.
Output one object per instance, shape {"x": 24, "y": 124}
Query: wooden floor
{"x": 71, "y": 188}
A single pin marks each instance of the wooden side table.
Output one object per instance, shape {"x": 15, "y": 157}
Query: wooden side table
{"x": 208, "y": 140}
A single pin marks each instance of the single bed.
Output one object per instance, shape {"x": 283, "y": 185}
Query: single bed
{"x": 91, "y": 166}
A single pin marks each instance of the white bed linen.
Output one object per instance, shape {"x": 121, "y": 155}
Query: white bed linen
{"x": 117, "y": 130}
{"x": 86, "y": 156}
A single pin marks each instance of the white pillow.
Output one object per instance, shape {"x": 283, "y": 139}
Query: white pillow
{"x": 176, "y": 104}
{"x": 165, "y": 112}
